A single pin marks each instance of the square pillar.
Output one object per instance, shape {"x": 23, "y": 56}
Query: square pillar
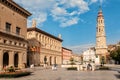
{"x": 1, "y": 59}
{"x": 22, "y": 60}
{"x": 20, "y": 65}
{"x": 11, "y": 58}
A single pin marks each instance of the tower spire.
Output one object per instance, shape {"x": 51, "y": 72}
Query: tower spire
{"x": 34, "y": 23}
{"x": 100, "y": 8}
{"x": 100, "y": 14}
{"x": 101, "y": 47}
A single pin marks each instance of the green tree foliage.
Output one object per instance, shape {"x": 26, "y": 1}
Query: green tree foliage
{"x": 115, "y": 54}
{"x": 102, "y": 61}
{"x": 72, "y": 61}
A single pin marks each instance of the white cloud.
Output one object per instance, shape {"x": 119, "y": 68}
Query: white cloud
{"x": 101, "y": 1}
{"x": 70, "y": 22}
{"x": 66, "y": 12}
{"x": 37, "y": 4}
{"x": 41, "y": 17}
{"x": 58, "y": 11}
{"x": 73, "y": 13}
{"x": 38, "y": 8}
{"x": 93, "y": 1}
{"x": 62, "y": 14}
{"x": 78, "y": 49}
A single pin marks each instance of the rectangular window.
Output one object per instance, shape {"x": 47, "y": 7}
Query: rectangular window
{"x": 17, "y": 30}
{"x": 15, "y": 43}
{"x": 8, "y": 27}
{"x": 5, "y": 41}
{"x": 10, "y": 42}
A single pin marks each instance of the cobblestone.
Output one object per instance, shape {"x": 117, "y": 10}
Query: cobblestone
{"x": 63, "y": 74}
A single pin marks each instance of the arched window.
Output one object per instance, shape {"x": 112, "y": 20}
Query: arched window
{"x": 16, "y": 60}
{"x": 5, "y": 59}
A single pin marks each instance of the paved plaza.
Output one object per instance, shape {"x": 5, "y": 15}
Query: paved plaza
{"x": 63, "y": 74}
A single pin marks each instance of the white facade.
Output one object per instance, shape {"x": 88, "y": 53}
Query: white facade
{"x": 90, "y": 56}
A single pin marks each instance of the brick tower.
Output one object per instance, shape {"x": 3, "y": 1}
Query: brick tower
{"x": 101, "y": 47}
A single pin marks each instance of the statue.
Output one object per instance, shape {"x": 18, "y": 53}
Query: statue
{"x": 60, "y": 36}
{"x": 34, "y": 23}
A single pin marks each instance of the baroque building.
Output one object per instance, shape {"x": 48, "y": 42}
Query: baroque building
{"x": 13, "y": 38}
{"x": 89, "y": 56}
{"x": 101, "y": 47}
{"x": 43, "y": 48}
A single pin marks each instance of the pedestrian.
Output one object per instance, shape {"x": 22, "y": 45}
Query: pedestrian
{"x": 32, "y": 67}
{"x": 54, "y": 67}
{"x": 89, "y": 67}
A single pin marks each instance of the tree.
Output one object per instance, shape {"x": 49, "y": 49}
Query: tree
{"x": 72, "y": 61}
{"x": 102, "y": 61}
{"x": 115, "y": 55}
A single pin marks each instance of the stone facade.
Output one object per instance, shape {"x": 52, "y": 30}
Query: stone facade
{"x": 44, "y": 48}
{"x": 101, "y": 47}
{"x": 13, "y": 30}
{"x": 66, "y": 55}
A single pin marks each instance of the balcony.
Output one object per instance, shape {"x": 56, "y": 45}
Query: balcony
{"x": 13, "y": 34}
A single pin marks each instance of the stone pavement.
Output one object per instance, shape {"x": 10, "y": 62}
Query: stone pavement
{"x": 63, "y": 74}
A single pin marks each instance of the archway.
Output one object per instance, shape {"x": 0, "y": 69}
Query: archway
{"x": 16, "y": 60}
{"x": 50, "y": 60}
{"x": 54, "y": 60}
{"x": 5, "y": 59}
{"x": 45, "y": 60}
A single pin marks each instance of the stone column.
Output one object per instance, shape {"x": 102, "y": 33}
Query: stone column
{"x": 11, "y": 58}
{"x": 20, "y": 65}
{"x": 24, "y": 59}
{"x": 1, "y": 59}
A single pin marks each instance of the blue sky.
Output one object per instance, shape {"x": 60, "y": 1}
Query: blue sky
{"x": 75, "y": 20}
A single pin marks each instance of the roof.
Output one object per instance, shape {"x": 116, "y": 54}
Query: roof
{"x": 14, "y": 6}
{"x": 100, "y": 8}
{"x": 100, "y": 12}
{"x": 43, "y": 32}
{"x": 66, "y": 48}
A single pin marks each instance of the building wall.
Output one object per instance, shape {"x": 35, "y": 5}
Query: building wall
{"x": 66, "y": 55}
{"x": 13, "y": 47}
{"x": 89, "y": 56}
{"x": 49, "y": 47}
{"x": 15, "y": 19}
{"x": 76, "y": 57}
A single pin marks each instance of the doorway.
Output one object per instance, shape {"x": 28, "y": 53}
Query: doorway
{"x": 5, "y": 59}
{"x": 16, "y": 60}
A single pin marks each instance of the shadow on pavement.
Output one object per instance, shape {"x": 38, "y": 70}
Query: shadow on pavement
{"x": 117, "y": 76}
{"x": 58, "y": 78}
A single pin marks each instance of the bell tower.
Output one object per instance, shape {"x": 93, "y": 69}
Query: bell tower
{"x": 101, "y": 47}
